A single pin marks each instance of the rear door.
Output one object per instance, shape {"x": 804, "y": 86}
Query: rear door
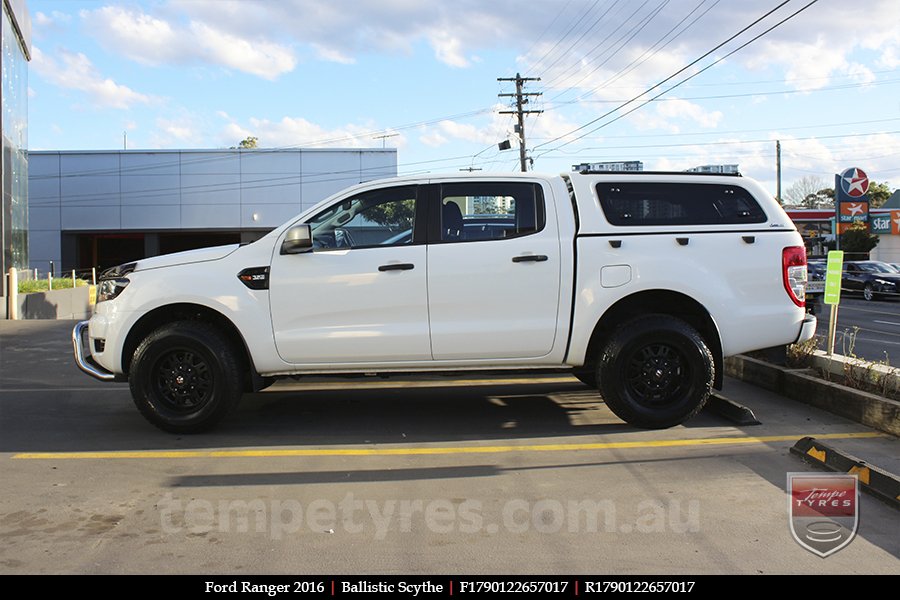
{"x": 493, "y": 271}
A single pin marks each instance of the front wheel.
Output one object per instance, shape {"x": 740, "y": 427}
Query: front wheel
{"x": 655, "y": 372}
{"x": 868, "y": 292}
{"x": 185, "y": 377}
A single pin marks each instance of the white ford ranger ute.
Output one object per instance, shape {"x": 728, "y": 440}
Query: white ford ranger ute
{"x": 639, "y": 284}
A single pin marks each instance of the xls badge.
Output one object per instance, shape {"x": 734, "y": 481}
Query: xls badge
{"x": 823, "y": 510}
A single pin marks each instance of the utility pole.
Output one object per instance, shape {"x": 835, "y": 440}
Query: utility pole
{"x": 778, "y": 170}
{"x": 521, "y": 100}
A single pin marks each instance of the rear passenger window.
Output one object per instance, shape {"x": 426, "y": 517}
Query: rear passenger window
{"x": 678, "y": 204}
{"x": 489, "y": 211}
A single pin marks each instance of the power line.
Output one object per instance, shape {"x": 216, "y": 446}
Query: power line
{"x": 575, "y": 24}
{"x": 845, "y": 86}
{"x": 634, "y": 30}
{"x": 653, "y": 52}
{"x": 670, "y": 77}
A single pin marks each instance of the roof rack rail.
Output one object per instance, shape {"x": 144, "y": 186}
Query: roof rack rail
{"x": 694, "y": 173}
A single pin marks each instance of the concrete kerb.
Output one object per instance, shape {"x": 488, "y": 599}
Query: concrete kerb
{"x": 800, "y": 385}
{"x": 874, "y": 480}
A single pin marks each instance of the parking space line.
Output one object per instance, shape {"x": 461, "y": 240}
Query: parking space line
{"x": 426, "y": 450}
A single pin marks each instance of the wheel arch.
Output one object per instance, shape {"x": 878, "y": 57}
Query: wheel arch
{"x": 662, "y": 302}
{"x": 186, "y": 311}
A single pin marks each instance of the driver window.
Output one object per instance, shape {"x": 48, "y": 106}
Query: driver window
{"x": 377, "y": 218}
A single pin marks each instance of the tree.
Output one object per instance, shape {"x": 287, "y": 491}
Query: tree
{"x": 878, "y": 194}
{"x": 397, "y": 216}
{"x": 247, "y": 143}
{"x": 798, "y": 192}
{"x": 858, "y": 241}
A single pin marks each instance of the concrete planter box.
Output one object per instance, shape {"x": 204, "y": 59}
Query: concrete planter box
{"x": 68, "y": 303}
{"x": 801, "y": 385}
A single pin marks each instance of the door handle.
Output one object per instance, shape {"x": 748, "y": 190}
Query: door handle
{"x": 530, "y": 258}
{"x": 397, "y": 267}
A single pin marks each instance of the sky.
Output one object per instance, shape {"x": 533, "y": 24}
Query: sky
{"x": 179, "y": 74}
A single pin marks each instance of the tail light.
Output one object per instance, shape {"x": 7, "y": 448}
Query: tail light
{"x": 793, "y": 270}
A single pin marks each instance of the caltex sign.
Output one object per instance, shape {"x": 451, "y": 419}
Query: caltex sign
{"x": 851, "y": 203}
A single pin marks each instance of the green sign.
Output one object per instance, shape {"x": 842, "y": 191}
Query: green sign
{"x": 833, "y": 277}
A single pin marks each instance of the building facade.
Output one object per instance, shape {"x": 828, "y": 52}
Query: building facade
{"x": 96, "y": 209}
{"x": 16, "y": 47}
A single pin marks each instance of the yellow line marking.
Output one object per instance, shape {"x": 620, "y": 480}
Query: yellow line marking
{"x": 425, "y": 450}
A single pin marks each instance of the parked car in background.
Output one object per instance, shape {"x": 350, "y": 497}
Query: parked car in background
{"x": 815, "y": 285}
{"x": 872, "y": 278}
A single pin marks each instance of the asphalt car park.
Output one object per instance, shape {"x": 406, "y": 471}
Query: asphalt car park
{"x": 469, "y": 474}
{"x": 870, "y": 330}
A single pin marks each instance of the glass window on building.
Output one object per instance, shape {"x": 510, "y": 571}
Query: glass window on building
{"x": 14, "y": 121}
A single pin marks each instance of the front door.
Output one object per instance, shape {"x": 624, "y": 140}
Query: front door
{"x": 360, "y": 295}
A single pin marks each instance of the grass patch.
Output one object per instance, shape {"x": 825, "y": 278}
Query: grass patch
{"x": 31, "y": 286}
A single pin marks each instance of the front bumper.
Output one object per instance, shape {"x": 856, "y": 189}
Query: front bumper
{"x": 84, "y": 360}
{"x": 807, "y": 328}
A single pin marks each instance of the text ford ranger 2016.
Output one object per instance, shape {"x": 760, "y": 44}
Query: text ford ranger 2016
{"x": 639, "y": 284}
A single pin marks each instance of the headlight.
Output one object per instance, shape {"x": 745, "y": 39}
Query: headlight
{"x": 110, "y": 288}
{"x": 118, "y": 271}
{"x": 885, "y": 283}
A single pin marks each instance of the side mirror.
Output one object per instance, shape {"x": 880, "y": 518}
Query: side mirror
{"x": 297, "y": 240}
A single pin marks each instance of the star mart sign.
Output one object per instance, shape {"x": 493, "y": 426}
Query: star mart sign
{"x": 885, "y": 224}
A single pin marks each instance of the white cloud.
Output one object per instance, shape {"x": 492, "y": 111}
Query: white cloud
{"x": 434, "y": 139}
{"x": 448, "y": 49}
{"x": 75, "y": 71}
{"x": 169, "y": 131}
{"x": 49, "y": 25}
{"x": 332, "y": 55}
{"x": 341, "y": 30}
{"x": 138, "y": 36}
{"x": 151, "y": 40}
{"x": 55, "y": 18}
{"x": 300, "y": 132}
{"x": 670, "y": 114}
{"x": 257, "y": 57}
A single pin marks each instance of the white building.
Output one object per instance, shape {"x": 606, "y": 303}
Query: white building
{"x": 100, "y": 208}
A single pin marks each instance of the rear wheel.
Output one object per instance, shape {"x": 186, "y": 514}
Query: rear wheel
{"x": 185, "y": 377}
{"x": 655, "y": 372}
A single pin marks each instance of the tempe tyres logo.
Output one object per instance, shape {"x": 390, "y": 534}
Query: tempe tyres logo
{"x": 823, "y": 510}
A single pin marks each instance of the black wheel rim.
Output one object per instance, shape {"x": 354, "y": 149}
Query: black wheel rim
{"x": 183, "y": 380}
{"x": 657, "y": 375}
